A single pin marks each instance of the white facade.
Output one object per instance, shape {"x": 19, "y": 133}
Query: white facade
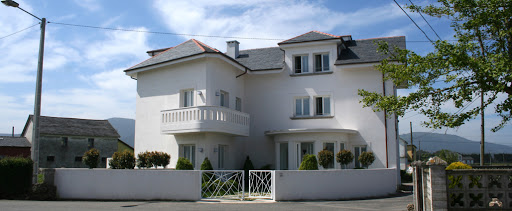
{"x": 268, "y": 127}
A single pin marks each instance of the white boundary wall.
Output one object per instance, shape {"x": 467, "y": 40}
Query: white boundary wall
{"x": 118, "y": 184}
{"x": 334, "y": 184}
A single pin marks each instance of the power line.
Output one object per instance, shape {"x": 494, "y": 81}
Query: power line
{"x": 19, "y": 31}
{"x": 165, "y": 33}
{"x": 413, "y": 21}
{"x": 427, "y": 22}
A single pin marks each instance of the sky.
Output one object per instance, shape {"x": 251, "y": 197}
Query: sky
{"x": 83, "y": 66}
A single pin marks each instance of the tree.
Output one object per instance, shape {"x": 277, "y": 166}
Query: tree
{"x": 455, "y": 73}
{"x": 448, "y": 156}
{"x": 366, "y": 158}
{"x": 344, "y": 157}
{"x": 325, "y": 158}
{"x": 91, "y": 158}
{"x": 122, "y": 160}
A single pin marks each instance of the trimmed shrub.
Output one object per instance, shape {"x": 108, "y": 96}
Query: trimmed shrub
{"x": 458, "y": 165}
{"x": 206, "y": 165}
{"x": 15, "y": 176}
{"x": 309, "y": 162}
{"x": 184, "y": 164}
{"x": 91, "y": 158}
{"x": 161, "y": 159}
{"x": 143, "y": 160}
{"x": 153, "y": 159}
{"x": 267, "y": 167}
{"x": 344, "y": 157}
{"x": 325, "y": 157}
{"x": 366, "y": 158}
{"x": 247, "y": 166}
{"x": 122, "y": 160}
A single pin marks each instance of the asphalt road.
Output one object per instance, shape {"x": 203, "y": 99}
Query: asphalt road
{"x": 398, "y": 202}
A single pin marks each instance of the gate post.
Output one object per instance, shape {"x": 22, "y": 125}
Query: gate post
{"x": 437, "y": 189}
{"x": 417, "y": 177}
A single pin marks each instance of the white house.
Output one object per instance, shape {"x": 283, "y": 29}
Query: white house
{"x": 273, "y": 104}
{"x": 403, "y": 153}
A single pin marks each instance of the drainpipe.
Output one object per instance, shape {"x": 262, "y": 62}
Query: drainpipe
{"x": 385, "y": 121}
{"x": 242, "y": 73}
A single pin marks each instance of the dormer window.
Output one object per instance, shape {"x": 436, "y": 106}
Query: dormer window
{"x": 321, "y": 62}
{"x": 301, "y": 64}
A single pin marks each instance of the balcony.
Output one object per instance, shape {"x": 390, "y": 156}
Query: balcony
{"x": 205, "y": 119}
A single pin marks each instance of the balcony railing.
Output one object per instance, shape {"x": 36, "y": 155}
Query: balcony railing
{"x": 205, "y": 119}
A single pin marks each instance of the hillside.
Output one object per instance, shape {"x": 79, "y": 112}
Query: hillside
{"x": 435, "y": 141}
{"x": 125, "y": 128}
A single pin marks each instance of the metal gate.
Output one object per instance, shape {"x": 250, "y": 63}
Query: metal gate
{"x": 222, "y": 184}
{"x": 260, "y": 183}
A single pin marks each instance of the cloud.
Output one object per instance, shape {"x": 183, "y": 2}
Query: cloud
{"x": 91, "y": 5}
{"x": 265, "y": 19}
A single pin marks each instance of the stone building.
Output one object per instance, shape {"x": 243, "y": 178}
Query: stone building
{"x": 11, "y": 146}
{"x": 63, "y": 141}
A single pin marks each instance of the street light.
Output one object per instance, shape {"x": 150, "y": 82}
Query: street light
{"x": 37, "y": 103}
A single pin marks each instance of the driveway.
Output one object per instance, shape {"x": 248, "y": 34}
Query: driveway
{"x": 398, "y": 202}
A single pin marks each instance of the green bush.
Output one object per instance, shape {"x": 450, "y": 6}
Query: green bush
{"x": 44, "y": 192}
{"x": 143, "y": 160}
{"x": 344, "y": 157}
{"x": 15, "y": 176}
{"x": 405, "y": 177}
{"x": 122, "y": 160}
{"x": 366, "y": 158}
{"x": 309, "y": 162}
{"x": 184, "y": 164}
{"x": 206, "y": 165}
{"x": 91, "y": 158}
{"x": 458, "y": 165}
{"x": 247, "y": 166}
{"x": 161, "y": 159}
{"x": 153, "y": 159}
{"x": 325, "y": 157}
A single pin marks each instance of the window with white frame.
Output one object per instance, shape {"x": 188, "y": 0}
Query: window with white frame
{"x": 321, "y": 62}
{"x": 302, "y": 106}
{"x": 322, "y": 106}
{"x": 224, "y": 98}
{"x": 357, "y": 151}
{"x": 238, "y": 104}
{"x": 187, "y": 97}
{"x": 283, "y": 156}
{"x": 329, "y": 146}
{"x": 301, "y": 64}
{"x": 188, "y": 151}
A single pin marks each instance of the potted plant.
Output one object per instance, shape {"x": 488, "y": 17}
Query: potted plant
{"x": 344, "y": 157}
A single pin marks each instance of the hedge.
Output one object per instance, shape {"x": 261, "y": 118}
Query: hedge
{"x": 15, "y": 175}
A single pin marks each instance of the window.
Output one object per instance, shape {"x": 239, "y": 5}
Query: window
{"x": 91, "y": 143}
{"x": 357, "y": 151}
{"x": 104, "y": 159}
{"x": 238, "y": 104}
{"x": 330, "y": 147}
{"x": 323, "y": 106}
{"x": 50, "y": 158}
{"x": 224, "y": 98}
{"x": 189, "y": 152}
{"x": 306, "y": 148}
{"x": 321, "y": 62}
{"x": 78, "y": 159}
{"x": 342, "y": 146}
{"x": 302, "y": 106}
{"x": 64, "y": 141}
{"x": 187, "y": 97}
{"x": 301, "y": 64}
{"x": 222, "y": 157}
{"x": 283, "y": 156}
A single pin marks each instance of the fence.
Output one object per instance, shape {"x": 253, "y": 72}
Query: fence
{"x": 222, "y": 184}
{"x": 260, "y": 184}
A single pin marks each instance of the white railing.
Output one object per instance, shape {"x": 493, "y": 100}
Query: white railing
{"x": 205, "y": 119}
{"x": 260, "y": 183}
{"x": 224, "y": 184}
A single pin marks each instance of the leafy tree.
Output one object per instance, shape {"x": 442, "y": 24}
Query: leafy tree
{"x": 344, "y": 157}
{"x": 184, "y": 164}
{"x": 206, "y": 165}
{"x": 91, "y": 158}
{"x": 448, "y": 156}
{"x": 366, "y": 158}
{"x": 143, "y": 160}
{"x": 122, "y": 160}
{"x": 455, "y": 73}
{"x": 325, "y": 157}
{"x": 309, "y": 162}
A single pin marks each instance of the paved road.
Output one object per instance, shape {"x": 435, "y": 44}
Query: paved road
{"x": 392, "y": 204}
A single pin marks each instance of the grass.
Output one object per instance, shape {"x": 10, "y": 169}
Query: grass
{"x": 40, "y": 178}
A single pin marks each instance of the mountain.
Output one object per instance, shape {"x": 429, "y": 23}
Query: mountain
{"x": 435, "y": 141}
{"x": 125, "y": 128}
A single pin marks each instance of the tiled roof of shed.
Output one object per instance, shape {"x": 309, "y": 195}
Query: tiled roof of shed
{"x": 262, "y": 58}
{"x": 75, "y": 127}
{"x": 310, "y": 36}
{"x": 188, "y": 48}
{"x": 365, "y": 51}
{"x": 9, "y": 141}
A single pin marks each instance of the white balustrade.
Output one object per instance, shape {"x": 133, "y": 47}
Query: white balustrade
{"x": 205, "y": 119}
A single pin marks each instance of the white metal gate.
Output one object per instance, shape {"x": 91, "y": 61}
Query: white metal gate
{"x": 223, "y": 184}
{"x": 260, "y": 183}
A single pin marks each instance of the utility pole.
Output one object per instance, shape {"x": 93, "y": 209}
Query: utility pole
{"x": 482, "y": 142}
{"x": 412, "y": 145}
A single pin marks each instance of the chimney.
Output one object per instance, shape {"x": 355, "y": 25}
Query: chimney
{"x": 232, "y": 49}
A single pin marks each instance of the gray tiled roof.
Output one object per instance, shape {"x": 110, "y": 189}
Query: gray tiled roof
{"x": 262, "y": 58}
{"x": 365, "y": 51}
{"x": 75, "y": 127}
{"x": 188, "y": 48}
{"x": 9, "y": 141}
{"x": 310, "y": 36}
